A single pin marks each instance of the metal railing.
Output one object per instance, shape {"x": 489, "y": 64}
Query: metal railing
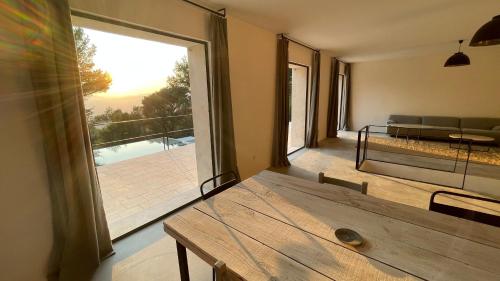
{"x": 145, "y": 129}
{"x": 421, "y": 148}
{"x": 364, "y": 134}
{"x": 364, "y": 141}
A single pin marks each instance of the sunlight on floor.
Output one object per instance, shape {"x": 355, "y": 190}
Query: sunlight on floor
{"x": 141, "y": 189}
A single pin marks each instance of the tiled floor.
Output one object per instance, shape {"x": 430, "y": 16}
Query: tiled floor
{"x": 141, "y": 189}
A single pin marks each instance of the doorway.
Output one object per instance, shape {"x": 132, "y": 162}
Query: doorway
{"x": 298, "y": 88}
{"x": 342, "y": 103}
{"x": 148, "y": 118}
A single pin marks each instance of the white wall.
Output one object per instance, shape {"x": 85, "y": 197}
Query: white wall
{"x": 166, "y": 15}
{"x": 25, "y": 213}
{"x": 252, "y": 63}
{"x": 422, "y": 86}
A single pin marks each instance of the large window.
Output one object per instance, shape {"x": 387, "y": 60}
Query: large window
{"x": 146, "y": 99}
{"x": 298, "y": 77}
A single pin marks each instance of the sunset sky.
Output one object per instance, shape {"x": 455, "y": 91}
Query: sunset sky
{"x": 138, "y": 67}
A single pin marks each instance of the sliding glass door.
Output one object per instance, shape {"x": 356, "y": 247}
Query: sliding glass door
{"x": 146, "y": 99}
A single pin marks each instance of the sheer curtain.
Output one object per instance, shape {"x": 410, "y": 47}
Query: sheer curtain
{"x": 81, "y": 233}
{"x": 225, "y": 149}
{"x": 280, "y": 141}
{"x": 312, "y": 121}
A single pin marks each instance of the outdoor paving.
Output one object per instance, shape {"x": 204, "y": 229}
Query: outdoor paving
{"x": 138, "y": 190}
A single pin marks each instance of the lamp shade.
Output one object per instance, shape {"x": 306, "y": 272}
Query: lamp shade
{"x": 457, "y": 59}
{"x": 488, "y": 34}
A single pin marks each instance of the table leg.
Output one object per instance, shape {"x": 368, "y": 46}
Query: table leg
{"x": 183, "y": 263}
{"x": 458, "y": 152}
{"x": 469, "y": 148}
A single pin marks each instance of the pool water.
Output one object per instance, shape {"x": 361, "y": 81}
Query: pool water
{"x": 113, "y": 154}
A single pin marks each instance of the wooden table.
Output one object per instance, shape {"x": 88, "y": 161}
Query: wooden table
{"x": 469, "y": 139}
{"x": 278, "y": 227}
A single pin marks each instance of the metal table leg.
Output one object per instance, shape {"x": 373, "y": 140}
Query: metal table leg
{"x": 458, "y": 152}
{"x": 469, "y": 148}
{"x": 183, "y": 263}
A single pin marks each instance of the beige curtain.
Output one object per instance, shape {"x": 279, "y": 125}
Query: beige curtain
{"x": 224, "y": 145}
{"x": 81, "y": 234}
{"x": 280, "y": 141}
{"x": 333, "y": 107}
{"x": 312, "y": 121}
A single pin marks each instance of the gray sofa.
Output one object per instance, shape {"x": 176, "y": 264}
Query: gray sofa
{"x": 439, "y": 127}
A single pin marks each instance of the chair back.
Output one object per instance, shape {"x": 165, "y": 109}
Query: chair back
{"x": 462, "y": 212}
{"x": 363, "y": 187}
{"x": 220, "y": 271}
{"x": 219, "y": 187}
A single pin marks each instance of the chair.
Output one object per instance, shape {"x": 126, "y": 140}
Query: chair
{"x": 220, "y": 271}
{"x": 234, "y": 179}
{"x": 464, "y": 213}
{"x": 363, "y": 187}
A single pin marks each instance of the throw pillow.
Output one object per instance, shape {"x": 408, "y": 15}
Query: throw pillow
{"x": 496, "y": 128}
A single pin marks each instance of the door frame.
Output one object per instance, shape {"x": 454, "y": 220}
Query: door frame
{"x": 205, "y": 44}
{"x": 306, "y": 105}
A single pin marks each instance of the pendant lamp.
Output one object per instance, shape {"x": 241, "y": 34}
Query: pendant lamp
{"x": 458, "y": 58}
{"x": 488, "y": 34}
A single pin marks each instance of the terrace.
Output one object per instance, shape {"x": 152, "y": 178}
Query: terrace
{"x": 142, "y": 189}
{"x": 147, "y": 175}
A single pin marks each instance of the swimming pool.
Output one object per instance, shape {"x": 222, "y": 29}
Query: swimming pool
{"x": 113, "y": 154}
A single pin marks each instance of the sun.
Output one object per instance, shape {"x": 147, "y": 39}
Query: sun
{"x": 136, "y": 66}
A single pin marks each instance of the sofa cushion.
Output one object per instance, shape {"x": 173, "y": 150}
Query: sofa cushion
{"x": 404, "y": 119}
{"x": 479, "y": 123}
{"x": 441, "y": 121}
{"x": 496, "y": 128}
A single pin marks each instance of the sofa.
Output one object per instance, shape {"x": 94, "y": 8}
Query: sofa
{"x": 439, "y": 127}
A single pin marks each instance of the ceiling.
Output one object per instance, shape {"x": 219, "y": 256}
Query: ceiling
{"x": 369, "y": 29}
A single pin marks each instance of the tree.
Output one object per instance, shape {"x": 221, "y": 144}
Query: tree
{"x": 120, "y": 131}
{"x": 181, "y": 74}
{"x": 93, "y": 80}
{"x": 174, "y": 99}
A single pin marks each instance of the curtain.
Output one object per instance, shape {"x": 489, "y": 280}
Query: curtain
{"x": 312, "y": 121}
{"x": 81, "y": 235}
{"x": 224, "y": 145}
{"x": 346, "y": 112}
{"x": 333, "y": 107}
{"x": 280, "y": 141}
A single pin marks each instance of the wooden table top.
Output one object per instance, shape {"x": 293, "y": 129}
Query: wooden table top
{"x": 472, "y": 137}
{"x": 277, "y": 227}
